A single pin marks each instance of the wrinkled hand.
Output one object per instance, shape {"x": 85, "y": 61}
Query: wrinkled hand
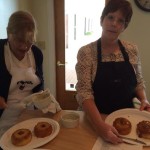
{"x": 145, "y": 106}
{"x": 3, "y": 104}
{"x": 110, "y": 134}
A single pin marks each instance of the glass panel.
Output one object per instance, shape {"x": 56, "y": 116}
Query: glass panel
{"x": 82, "y": 26}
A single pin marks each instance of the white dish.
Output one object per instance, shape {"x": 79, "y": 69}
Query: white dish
{"x": 70, "y": 119}
{"x": 5, "y": 140}
{"x": 134, "y": 116}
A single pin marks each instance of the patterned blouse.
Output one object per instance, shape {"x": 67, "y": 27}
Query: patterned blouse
{"x": 86, "y": 67}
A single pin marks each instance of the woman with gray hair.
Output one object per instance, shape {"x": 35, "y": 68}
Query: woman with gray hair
{"x": 21, "y": 66}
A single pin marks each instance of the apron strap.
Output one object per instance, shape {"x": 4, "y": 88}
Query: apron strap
{"x": 124, "y": 53}
{"x": 99, "y": 56}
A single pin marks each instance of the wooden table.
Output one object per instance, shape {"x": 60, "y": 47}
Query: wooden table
{"x": 82, "y": 137}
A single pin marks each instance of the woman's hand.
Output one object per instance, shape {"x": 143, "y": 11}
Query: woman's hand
{"x": 106, "y": 131}
{"x": 145, "y": 106}
{"x": 109, "y": 133}
{"x": 3, "y": 104}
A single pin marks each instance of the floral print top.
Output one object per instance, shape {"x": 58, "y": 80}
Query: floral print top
{"x": 87, "y": 65}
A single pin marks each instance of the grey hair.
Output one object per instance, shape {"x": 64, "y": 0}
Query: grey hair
{"x": 22, "y": 25}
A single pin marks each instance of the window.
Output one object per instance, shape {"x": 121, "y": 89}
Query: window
{"x": 82, "y": 26}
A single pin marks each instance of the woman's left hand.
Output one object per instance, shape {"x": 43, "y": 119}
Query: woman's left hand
{"x": 145, "y": 106}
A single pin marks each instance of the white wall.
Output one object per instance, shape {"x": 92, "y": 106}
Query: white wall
{"x": 44, "y": 16}
{"x": 5, "y": 12}
{"x": 138, "y": 32}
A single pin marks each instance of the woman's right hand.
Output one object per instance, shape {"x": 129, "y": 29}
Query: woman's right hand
{"x": 104, "y": 130}
{"x": 3, "y": 104}
{"x": 109, "y": 133}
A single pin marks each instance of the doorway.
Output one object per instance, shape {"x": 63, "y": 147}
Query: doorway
{"x": 76, "y": 24}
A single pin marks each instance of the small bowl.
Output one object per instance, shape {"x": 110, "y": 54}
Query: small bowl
{"x": 70, "y": 119}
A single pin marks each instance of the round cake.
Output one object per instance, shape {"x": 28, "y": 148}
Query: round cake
{"x": 143, "y": 129}
{"x": 21, "y": 137}
{"x": 122, "y": 125}
{"x": 42, "y": 129}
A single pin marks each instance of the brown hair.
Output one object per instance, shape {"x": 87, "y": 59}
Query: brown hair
{"x": 123, "y": 5}
{"x": 22, "y": 25}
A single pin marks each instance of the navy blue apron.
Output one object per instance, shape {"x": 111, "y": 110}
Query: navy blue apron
{"x": 114, "y": 84}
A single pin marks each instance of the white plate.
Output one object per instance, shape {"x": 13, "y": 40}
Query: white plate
{"x": 134, "y": 116}
{"x": 5, "y": 141}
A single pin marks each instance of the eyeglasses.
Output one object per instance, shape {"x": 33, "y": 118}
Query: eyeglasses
{"x": 23, "y": 44}
{"x": 21, "y": 40}
{"x": 119, "y": 21}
